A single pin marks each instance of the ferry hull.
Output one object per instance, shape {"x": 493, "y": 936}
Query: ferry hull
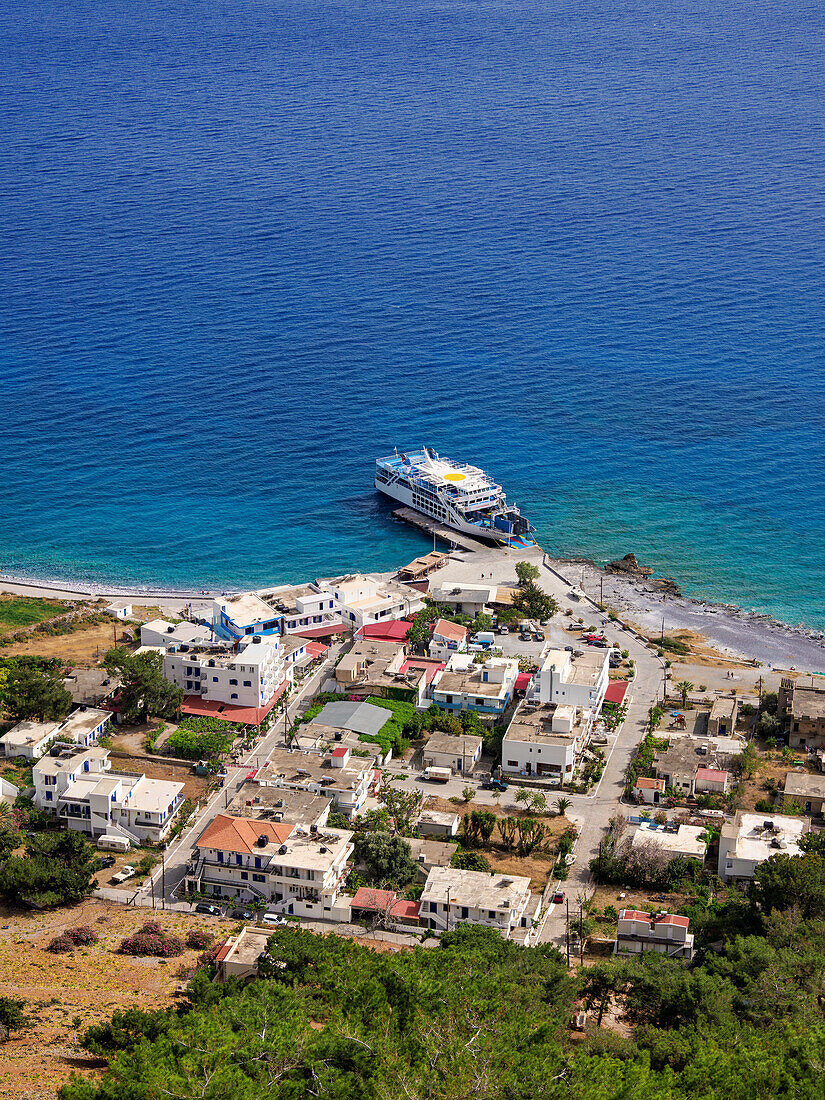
{"x": 403, "y": 495}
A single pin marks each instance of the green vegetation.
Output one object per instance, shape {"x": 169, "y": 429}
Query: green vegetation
{"x": 12, "y": 1016}
{"x": 31, "y": 692}
{"x": 526, "y": 572}
{"x": 200, "y": 739}
{"x": 21, "y": 611}
{"x": 684, "y": 687}
{"x": 145, "y": 692}
{"x": 470, "y": 861}
{"x": 57, "y": 868}
{"x": 386, "y": 858}
{"x": 674, "y": 645}
{"x": 534, "y": 603}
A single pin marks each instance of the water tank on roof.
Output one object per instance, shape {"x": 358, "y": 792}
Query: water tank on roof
{"x": 282, "y": 850}
{"x": 313, "y": 829}
{"x": 262, "y": 840}
{"x": 256, "y": 638}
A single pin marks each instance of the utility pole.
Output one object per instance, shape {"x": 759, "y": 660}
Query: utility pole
{"x": 601, "y": 588}
{"x": 662, "y": 639}
{"x": 581, "y": 934}
{"x": 163, "y": 879}
{"x": 448, "y": 908}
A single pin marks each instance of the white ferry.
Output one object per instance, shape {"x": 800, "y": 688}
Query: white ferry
{"x": 458, "y": 496}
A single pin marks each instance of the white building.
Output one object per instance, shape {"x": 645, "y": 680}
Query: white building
{"x": 437, "y": 823}
{"x": 31, "y": 739}
{"x": 544, "y": 740}
{"x": 363, "y": 600}
{"x": 244, "y": 616}
{"x": 573, "y": 681}
{"x": 300, "y": 870}
{"x": 90, "y": 798}
{"x": 465, "y": 685}
{"x": 447, "y": 638}
{"x": 649, "y": 791}
{"x": 120, "y": 611}
{"x": 466, "y": 599}
{"x": 688, "y": 840}
{"x": 160, "y": 634}
{"x": 347, "y": 780}
{"x": 459, "y": 752}
{"x": 248, "y": 678}
{"x": 751, "y": 838}
{"x": 452, "y": 897}
{"x": 664, "y": 933}
{"x": 305, "y": 608}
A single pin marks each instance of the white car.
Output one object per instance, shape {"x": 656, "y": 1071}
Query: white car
{"x": 272, "y": 918}
{"x": 569, "y": 860}
{"x": 125, "y": 872}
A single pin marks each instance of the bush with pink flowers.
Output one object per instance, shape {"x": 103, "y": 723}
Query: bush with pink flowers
{"x": 82, "y": 936}
{"x": 150, "y": 939}
{"x": 200, "y": 938}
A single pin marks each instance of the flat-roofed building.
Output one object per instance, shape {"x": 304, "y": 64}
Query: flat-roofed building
{"x": 437, "y": 823}
{"x": 752, "y": 838}
{"x": 243, "y": 616}
{"x": 89, "y": 797}
{"x": 464, "y": 685}
{"x": 347, "y": 780}
{"x": 574, "y": 681}
{"x": 459, "y": 752}
{"x": 688, "y": 840}
{"x": 803, "y": 710}
{"x": 250, "y": 677}
{"x": 279, "y": 805}
{"x": 722, "y": 717}
{"x": 239, "y": 955}
{"x": 544, "y": 740}
{"x": 466, "y": 599}
{"x": 158, "y": 633}
{"x": 494, "y": 900}
{"x": 805, "y": 790}
{"x": 364, "y": 599}
{"x": 31, "y": 739}
{"x": 91, "y": 687}
{"x": 664, "y": 933}
{"x": 297, "y": 870}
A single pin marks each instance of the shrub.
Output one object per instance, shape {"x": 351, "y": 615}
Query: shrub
{"x": 152, "y": 940}
{"x": 199, "y": 938}
{"x": 763, "y": 806}
{"x": 82, "y": 936}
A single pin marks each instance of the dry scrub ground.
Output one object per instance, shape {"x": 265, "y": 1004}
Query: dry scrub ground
{"x": 67, "y": 993}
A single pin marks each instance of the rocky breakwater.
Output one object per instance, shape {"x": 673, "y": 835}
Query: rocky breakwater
{"x": 629, "y": 566}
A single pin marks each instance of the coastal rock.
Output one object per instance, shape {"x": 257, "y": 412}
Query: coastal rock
{"x": 667, "y": 587}
{"x": 629, "y": 564}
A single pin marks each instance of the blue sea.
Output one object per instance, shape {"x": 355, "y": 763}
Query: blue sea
{"x": 245, "y": 248}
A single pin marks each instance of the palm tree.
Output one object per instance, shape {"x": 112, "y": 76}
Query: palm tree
{"x": 683, "y": 687}
{"x": 563, "y": 805}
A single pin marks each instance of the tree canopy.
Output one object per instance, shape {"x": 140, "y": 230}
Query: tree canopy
{"x": 526, "y": 571}
{"x": 387, "y": 858}
{"x": 57, "y": 868}
{"x": 145, "y": 691}
{"x": 534, "y": 602}
{"x": 37, "y": 693}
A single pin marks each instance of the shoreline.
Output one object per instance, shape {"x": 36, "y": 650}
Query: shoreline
{"x": 640, "y": 600}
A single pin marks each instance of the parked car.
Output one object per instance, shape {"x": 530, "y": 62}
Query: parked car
{"x": 496, "y": 785}
{"x": 569, "y": 860}
{"x": 243, "y": 914}
{"x": 272, "y": 918}
{"x": 210, "y": 910}
{"x": 599, "y": 643}
{"x": 539, "y": 636}
{"x": 559, "y": 897}
{"x": 105, "y": 861}
{"x": 569, "y": 649}
{"x": 524, "y": 636}
{"x": 125, "y": 872}
{"x": 504, "y": 630}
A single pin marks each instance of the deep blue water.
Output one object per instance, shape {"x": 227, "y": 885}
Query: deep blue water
{"x": 245, "y": 248}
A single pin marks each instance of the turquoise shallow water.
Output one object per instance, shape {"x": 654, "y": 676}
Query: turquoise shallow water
{"x": 247, "y": 249}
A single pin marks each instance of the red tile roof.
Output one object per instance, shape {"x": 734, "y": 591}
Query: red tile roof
{"x": 408, "y": 910}
{"x": 368, "y": 898}
{"x": 452, "y": 631}
{"x": 316, "y": 649}
{"x": 711, "y": 775}
{"x": 229, "y": 712}
{"x": 239, "y": 834}
{"x": 645, "y": 784}
{"x": 523, "y": 681}
{"x": 616, "y": 691}
{"x": 428, "y": 667}
{"x": 665, "y": 918}
{"x": 342, "y": 750}
{"x": 671, "y": 918}
{"x": 394, "y": 630}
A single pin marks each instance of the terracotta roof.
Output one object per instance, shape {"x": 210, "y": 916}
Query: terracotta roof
{"x": 340, "y": 751}
{"x": 666, "y": 918}
{"x": 616, "y": 691}
{"x": 316, "y": 649}
{"x": 239, "y": 834}
{"x": 368, "y": 898}
{"x": 230, "y": 712}
{"x": 409, "y": 909}
{"x": 395, "y": 630}
{"x": 645, "y": 784}
{"x": 711, "y": 775}
{"x": 449, "y": 630}
{"x": 671, "y": 918}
